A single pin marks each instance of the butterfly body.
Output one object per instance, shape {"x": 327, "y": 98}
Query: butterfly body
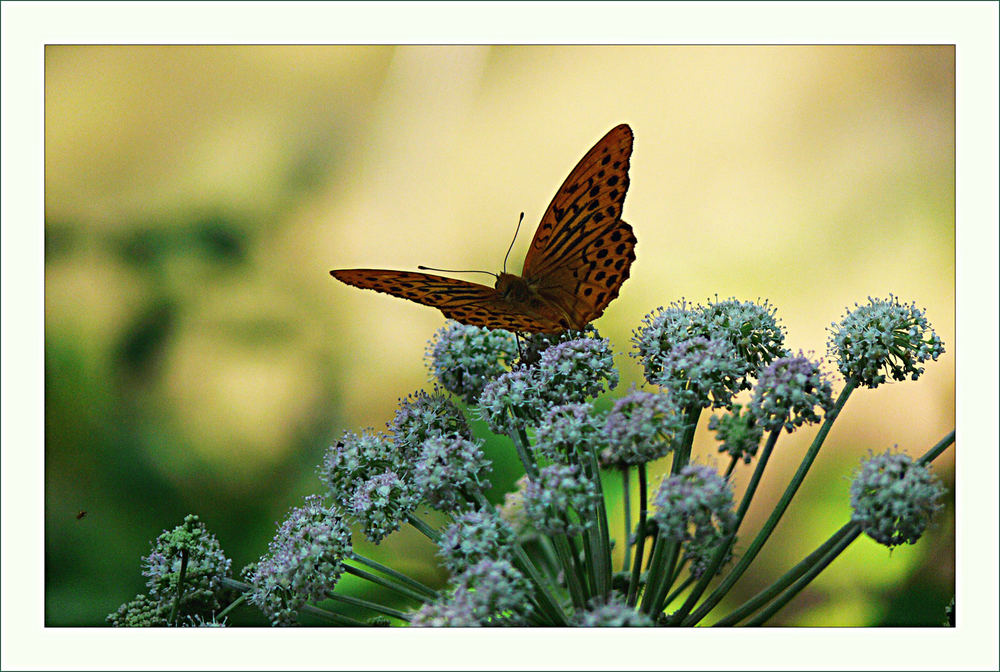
{"x": 578, "y": 259}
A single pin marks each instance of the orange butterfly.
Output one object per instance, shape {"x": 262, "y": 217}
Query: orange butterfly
{"x": 578, "y": 259}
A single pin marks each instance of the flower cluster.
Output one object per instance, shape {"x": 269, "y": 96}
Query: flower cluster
{"x": 640, "y": 428}
{"x": 489, "y": 593}
{"x": 695, "y": 508}
{"x": 568, "y": 433}
{"x": 894, "y": 497}
{"x": 788, "y": 393}
{"x": 464, "y": 358}
{"x": 568, "y": 372}
{"x": 303, "y": 563}
{"x": 559, "y": 492}
{"x": 476, "y": 535}
{"x": 449, "y": 468}
{"x": 737, "y": 432}
{"x": 547, "y": 556}
{"x": 883, "y": 339}
{"x": 184, "y": 573}
{"x": 755, "y": 337}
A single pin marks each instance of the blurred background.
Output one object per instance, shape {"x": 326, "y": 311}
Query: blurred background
{"x": 200, "y": 359}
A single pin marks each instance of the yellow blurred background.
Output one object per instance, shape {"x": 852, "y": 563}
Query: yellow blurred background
{"x": 200, "y": 359}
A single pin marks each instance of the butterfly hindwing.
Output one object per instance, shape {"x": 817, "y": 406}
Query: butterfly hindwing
{"x": 467, "y": 302}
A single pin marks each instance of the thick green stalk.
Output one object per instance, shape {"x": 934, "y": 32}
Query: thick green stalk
{"x": 722, "y": 552}
{"x": 787, "y": 579}
{"x": 748, "y": 557}
{"x": 339, "y": 619}
{"x": 402, "y": 578}
{"x": 633, "y": 585}
{"x": 385, "y": 583}
{"x": 423, "y": 528}
{"x": 367, "y": 604}
{"x": 626, "y": 499}
{"x": 601, "y": 537}
{"x": 520, "y": 439}
{"x": 569, "y": 568}
{"x": 817, "y": 556}
{"x": 785, "y": 597}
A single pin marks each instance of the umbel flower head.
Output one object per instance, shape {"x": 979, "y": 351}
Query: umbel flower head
{"x": 640, "y": 428}
{"x": 702, "y": 372}
{"x": 449, "y": 468}
{"x": 562, "y": 500}
{"x": 354, "y": 459}
{"x": 476, "y": 535}
{"x": 894, "y": 498}
{"x": 695, "y": 507}
{"x": 568, "y": 372}
{"x": 737, "y": 432}
{"x": 303, "y": 563}
{"x": 205, "y": 567}
{"x": 612, "y": 614}
{"x": 883, "y": 339}
{"x": 189, "y": 556}
{"x": 568, "y": 433}
{"x": 464, "y": 358}
{"x": 489, "y": 593}
{"x": 422, "y": 416}
{"x": 750, "y": 328}
{"x": 788, "y": 392}
{"x": 382, "y": 502}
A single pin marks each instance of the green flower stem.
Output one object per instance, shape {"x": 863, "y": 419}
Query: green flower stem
{"x": 544, "y": 599}
{"x": 626, "y": 505}
{"x": 722, "y": 552}
{"x": 789, "y": 577}
{"x": 731, "y": 467}
{"x": 385, "y": 583}
{"x": 785, "y": 597}
{"x": 663, "y": 564}
{"x": 520, "y": 439}
{"x": 180, "y": 587}
{"x": 232, "y": 605}
{"x": 339, "y": 619}
{"x": 424, "y": 528}
{"x": 569, "y": 569}
{"x": 373, "y": 606}
{"x": 816, "y": 557}
{"x": 601, "y": 537}
{"x": 939, "y": 448}
{"x": 677, "y": 591}
{"x": 660, "y": 569}
{"x": 402, "y": 578}
{"x": 677, "y": 573}
{"x": 633, "y": 584}
{"x": 334, "y": 617}
{"x": 682, "y": 452}
{"x": 779, "y": 510}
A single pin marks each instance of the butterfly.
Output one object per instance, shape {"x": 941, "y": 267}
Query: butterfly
{"x": 578, "y": 259}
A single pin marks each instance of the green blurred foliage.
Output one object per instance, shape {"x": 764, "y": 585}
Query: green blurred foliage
{"x": 198, "y": 359}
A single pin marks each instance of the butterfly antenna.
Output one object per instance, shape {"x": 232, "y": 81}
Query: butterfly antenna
{"x": 448, "y": 270}
{"x": 519, "y": 220}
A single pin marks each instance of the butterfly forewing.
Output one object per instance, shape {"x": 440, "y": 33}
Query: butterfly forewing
{"x": 467, "y": 302}
{"x": 589, "y": 201}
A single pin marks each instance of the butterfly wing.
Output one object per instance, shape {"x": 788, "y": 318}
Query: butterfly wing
{"x": 465, "y": 302}
{"x": 582, "y": 251}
